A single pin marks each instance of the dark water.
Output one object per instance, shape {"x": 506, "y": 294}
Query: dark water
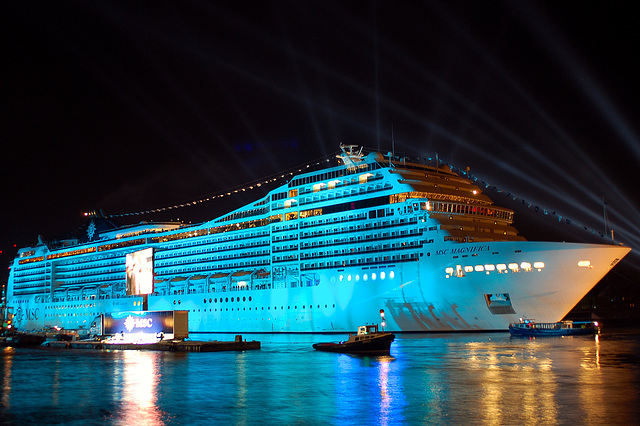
{"x": 441, "y": 378}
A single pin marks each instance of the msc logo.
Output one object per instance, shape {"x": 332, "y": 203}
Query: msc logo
{"x": 29, "y": 314}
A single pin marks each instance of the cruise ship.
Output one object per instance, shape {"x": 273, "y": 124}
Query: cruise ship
{"x": 327, "y": 251}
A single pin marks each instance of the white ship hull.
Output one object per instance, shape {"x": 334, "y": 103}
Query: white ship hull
{"x": 415, "y": 296}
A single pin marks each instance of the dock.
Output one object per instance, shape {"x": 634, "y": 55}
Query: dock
{"x": 164, "y": 345}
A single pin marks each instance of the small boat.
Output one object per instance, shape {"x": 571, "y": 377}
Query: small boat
{"x": 22, "y": 340}
{"x": 368, "y": 341}
{"x": 528, "y": 328}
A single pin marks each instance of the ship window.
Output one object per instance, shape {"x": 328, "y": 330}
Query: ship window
{"x": 538, "y": 265}
{"x": 373, "y": 276}
{"x": 479, "y": 268}
{"x": 490, "y": 267}
{"x": 501, "y": 267}
{"x": 513, "y": 266}
{"x": 382, "y": 275}
{"x": 392, "y": 275}
{"x": 365, "y": 277}
{"x": 468, "y": 268}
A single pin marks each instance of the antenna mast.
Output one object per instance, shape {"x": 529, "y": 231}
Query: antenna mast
{"x": 392, "y": 154}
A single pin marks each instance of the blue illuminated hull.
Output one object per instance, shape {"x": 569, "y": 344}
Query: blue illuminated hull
{"x": 416, "y": 296}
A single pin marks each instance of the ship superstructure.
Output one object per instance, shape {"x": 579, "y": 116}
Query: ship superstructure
{"x": 320, "y": 253}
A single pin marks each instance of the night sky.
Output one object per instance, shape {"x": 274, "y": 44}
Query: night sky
{"x": 135, "y": 106}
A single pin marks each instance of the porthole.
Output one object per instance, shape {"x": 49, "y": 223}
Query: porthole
{"x": 205, "y": 300}
{"x": 382, "y": 275}
{"x": 232, "y": 299}
{"x": 392, "y": 275}
{"x": 249, "y": 298}
{"x": 209, "y": 300}
{"x": 244, "y": 299}
{"x": 226, "y": 299}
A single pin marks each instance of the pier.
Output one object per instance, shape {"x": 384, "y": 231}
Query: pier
{"x": 166, "y": 345}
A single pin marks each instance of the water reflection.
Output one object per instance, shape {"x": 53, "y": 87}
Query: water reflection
{"x": 452, "y": 379}
{"x": 367, "y": 390}
{"x": 386, "y": 397}
{"x": 7, "y": 358}
{"x": 138, "y": 379}
{"x": 541, "y": 380}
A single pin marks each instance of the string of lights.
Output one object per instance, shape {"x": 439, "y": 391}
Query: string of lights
{"x": 235, "y": 190}
{"x": 282, "y": 176}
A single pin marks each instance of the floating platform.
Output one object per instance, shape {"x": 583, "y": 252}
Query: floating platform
{"x": 165, "y": 345}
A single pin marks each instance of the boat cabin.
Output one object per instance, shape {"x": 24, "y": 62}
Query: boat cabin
{"x": 367, "y": 329}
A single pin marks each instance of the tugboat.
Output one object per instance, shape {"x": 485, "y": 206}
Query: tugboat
{"x": 530, "y": 328}
{"x": 368, "y": 341}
